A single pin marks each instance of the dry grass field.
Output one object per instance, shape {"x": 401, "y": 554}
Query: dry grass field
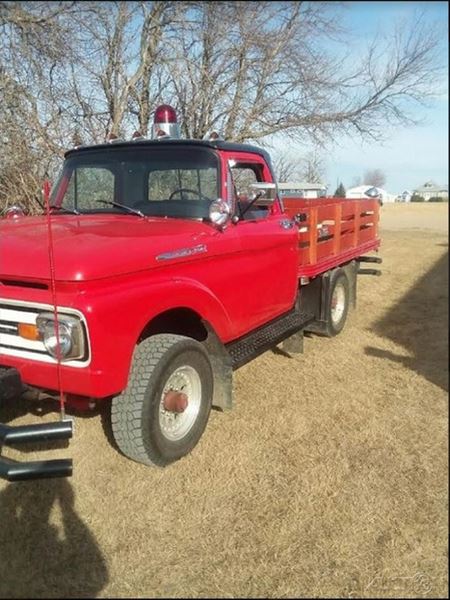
{"x": 329, "y": 478}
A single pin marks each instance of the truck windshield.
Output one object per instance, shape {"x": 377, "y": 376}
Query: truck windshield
{"x": 160, "y": 181}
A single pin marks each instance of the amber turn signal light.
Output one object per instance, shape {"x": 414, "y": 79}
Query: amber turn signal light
{"x": 29, "y": 331}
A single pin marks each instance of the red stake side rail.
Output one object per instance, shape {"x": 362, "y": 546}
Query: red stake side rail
{"x": 333, "y": 231}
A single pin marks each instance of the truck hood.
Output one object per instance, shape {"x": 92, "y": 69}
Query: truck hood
{"x": 92, "y": 247}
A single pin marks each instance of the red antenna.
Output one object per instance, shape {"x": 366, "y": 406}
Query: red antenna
{"x": 46, "y": 194}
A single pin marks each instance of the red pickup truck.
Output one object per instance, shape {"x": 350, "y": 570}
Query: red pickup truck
{"x": 174, "y": 262}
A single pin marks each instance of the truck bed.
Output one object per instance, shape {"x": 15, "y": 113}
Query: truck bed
{"x": 332, "y": 231}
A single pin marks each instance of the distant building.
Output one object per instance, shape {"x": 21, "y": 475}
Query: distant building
{"x": 304, "y": 190}
{"x": 432, "y": 190}
{"x": 404, "y": 196}
{"x": 360, "y": 192}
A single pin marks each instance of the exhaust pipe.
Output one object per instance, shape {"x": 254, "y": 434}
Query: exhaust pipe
{"x": 45, "y": 432}
{"x": 12, "y": 470}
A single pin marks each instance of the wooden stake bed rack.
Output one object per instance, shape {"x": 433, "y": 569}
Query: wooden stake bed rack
{"x": 332, "y": 231}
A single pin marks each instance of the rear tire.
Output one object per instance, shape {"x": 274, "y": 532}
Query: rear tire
{"x": 143, "y": 428}
{"x": 338, "y": 304}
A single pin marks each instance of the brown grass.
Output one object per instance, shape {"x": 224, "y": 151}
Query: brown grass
{"x": 329, "y": 478}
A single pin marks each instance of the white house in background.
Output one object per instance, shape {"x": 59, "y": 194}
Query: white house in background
{"x": 360, "y": 192}
{"x": 304, "y": 190}
{"x": 404, "y": 196}
{"x": 432, "y": 190}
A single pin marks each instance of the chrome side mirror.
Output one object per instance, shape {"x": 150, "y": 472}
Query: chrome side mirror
{"x": 264, "y": 193}
{"x": 219, "y": 213}
{"x": 14, "y": 212}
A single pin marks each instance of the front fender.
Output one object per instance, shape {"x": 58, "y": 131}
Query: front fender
{"x": 117, "y": 318}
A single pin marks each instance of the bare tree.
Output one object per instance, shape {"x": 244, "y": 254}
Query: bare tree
{"x": 255, "y": 69}
{"x": 247, "y": 69}
{"x": 285, "y": 168}
{"x": 313, "y": 169}
{"x": 31, "y": 44}
{"x": 375, "y": 177}
{"x": 73, "y": 70}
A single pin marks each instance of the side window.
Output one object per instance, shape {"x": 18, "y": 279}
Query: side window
{"x": 243, "y": 176}
{"x": 87, "y": 185}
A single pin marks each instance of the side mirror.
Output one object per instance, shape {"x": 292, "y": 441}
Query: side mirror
{"x": 266, "y": 192}
{"x": 14, "y": 212}
{"x": 219, "y": 213}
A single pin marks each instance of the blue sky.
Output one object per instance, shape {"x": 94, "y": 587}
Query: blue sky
{"x": 410, "y": 156}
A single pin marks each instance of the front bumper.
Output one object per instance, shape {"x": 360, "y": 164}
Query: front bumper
{"x": 11, "y": 470}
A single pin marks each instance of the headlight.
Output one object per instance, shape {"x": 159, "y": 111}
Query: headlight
{"x": 71, "y": 335}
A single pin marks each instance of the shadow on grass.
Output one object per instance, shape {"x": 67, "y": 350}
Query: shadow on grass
{"x": 39, "y": 558}
{"x": 419, "y": 323}
{"x": 46, "y": 551}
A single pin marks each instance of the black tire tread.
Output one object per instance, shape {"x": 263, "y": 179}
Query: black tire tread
{"x": 126, "y": 409}
{"x": 331, "y": 331}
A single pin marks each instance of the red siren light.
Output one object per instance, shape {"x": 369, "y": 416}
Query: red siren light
{"x": 165, "y": 114}
{"x": 165, "y": 122}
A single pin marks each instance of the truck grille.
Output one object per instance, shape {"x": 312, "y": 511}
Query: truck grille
{"x": 11, "y": 344}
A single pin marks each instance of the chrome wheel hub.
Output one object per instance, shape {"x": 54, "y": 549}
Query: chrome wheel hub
{"x": 180, "y": 403}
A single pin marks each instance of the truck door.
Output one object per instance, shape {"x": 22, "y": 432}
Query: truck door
{"x": 269, "y": 260}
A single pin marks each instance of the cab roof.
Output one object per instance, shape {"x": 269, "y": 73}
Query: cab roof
{"x": 213, "y": 144}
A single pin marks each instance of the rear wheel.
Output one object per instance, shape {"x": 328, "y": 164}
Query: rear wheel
{"x": 164, "y": 410}
{"x": 338, "y": 304}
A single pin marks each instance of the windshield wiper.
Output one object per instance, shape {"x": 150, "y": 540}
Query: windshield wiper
{"x": 72, "y": 211}
{"x": 134, "y": 211}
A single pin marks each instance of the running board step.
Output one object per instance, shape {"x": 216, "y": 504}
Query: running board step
{"x": 258, "y": 341}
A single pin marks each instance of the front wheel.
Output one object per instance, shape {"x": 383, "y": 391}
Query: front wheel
{"x": 164, "y": 410}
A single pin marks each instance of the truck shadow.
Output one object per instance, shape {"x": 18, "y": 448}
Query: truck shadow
{"x": 39, "y": 558}
{"x": 419, "y": 323}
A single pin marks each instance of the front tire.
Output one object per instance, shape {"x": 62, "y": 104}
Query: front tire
{"x": 162, "y": 413}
